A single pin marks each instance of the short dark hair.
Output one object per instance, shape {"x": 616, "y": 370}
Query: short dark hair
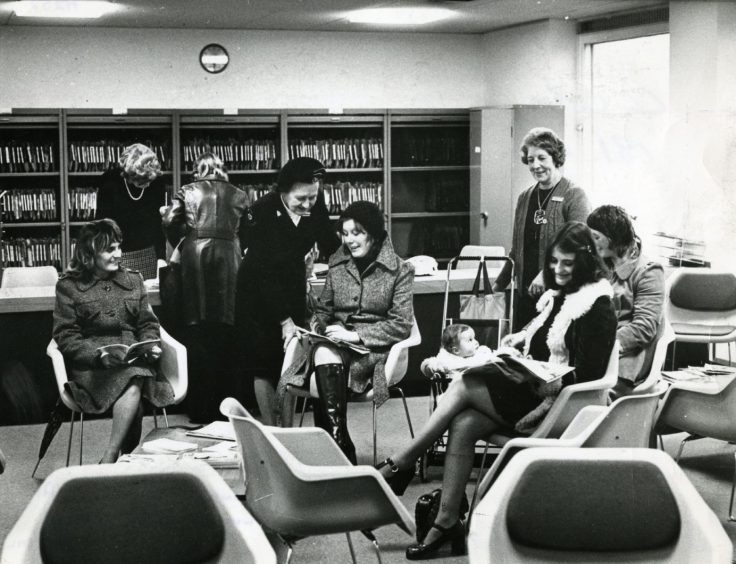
{"x": 451, "y": 335}
{"x": 368, "y": 215}
{"x": 574, "y": 237}
{"x": 614, "y": 223}
{"x": 300, "y": 169}
{"x": 93, "y": 238}
{"x": 546, "y": 139}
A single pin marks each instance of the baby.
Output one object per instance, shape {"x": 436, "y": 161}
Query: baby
{"x": 460, "y": 350}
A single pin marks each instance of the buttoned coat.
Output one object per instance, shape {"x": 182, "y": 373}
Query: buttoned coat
{"x": 91, "y": 313}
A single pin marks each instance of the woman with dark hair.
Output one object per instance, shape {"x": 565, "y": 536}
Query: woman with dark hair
{"x": 204, "y": 220}
{"x": 366, "y": 300}
{"x": 99, "y": 303}
{"x": 131, "y": 194}
{"x": 638, "y": 287}
{"x": 540, "y": 212}
{"x": 281, "y": 231}
{"x": 575, "y": 325}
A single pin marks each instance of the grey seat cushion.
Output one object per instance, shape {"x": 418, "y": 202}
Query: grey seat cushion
{"x": 152, "y": 519}
{"x": 704, "y": 292}
{"x": 593, "y": 505}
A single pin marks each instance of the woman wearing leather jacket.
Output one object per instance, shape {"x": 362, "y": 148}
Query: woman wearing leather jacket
{"x": 205, "y": 217}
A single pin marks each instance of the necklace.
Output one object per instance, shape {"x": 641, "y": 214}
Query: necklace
{"x": 540, "y": 215}
{"x": 144, "y": 189}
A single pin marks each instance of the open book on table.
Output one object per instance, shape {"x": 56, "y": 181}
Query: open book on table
{"x": 360, "y": 349}
{"x": 544, "y": 371}
{"x": 129, "y": 353}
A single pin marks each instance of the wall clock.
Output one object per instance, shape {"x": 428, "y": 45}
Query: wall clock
{"x": 214, "y": 58}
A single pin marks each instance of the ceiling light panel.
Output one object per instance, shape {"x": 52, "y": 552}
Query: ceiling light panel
{"x": 72, "y": 9}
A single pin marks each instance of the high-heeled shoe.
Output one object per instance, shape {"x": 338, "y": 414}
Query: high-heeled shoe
{"x": 455, "y": 535}
{"x": 399, "y": 479}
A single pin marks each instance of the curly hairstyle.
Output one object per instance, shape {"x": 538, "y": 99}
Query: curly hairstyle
{"x": 451, "y": 335}
{"x": 616, "y": 225}
{"x": 209, "y": 164}
{"x": 546, "y": 139}
{"x": 94, "y": 237}
{"x": 139, "y": 164}
{"x": 574, "y": 237}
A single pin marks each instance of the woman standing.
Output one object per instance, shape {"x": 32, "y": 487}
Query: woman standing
{"x": 98, "y": 303}
{"x": 205, "y": 216}
{"x": 638, "y": 286}
{"x": 131, "y": 195}
{"x": 541, "y": 210}
{"x": 367, "y": 301}
{"x": 283, "y": 227}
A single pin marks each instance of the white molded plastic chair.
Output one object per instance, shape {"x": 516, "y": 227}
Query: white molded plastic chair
{"x": 298, "y": 483}
{"x": 660, "y": 354}
{"x": 157, "y": 512}
{"x": 395, "y": 370}
{"x": 23, "y": 276}
{"x": 172, "y": 365}
{"x": 479, "y": 251}
{"x": 595, "y": 505}
{"x": 626, "y": 423}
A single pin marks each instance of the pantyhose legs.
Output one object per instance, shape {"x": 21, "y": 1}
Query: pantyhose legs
{"x": 125, "y": 411}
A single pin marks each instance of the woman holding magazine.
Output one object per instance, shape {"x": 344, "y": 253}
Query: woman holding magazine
{"x": 100, "y": 303}
{"x": 575, "y": 326}
{"x": 366, "y": 301}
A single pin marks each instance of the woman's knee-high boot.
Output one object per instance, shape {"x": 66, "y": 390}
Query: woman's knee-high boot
{"x": 332, "y": 385}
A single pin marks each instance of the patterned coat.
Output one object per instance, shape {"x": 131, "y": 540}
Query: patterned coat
{"x": 91, "y": 313}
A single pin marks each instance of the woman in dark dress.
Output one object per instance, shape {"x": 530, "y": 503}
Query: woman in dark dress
{"x": 205, "y": 215}
{"x": 576, "y": 326}
{"x": 131, "y": 195}
{"x": 99, "y": 303}
{"x": 282, "y": 229}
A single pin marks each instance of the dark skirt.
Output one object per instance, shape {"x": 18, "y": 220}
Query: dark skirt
{"x": 512, "y": 400}
{"x": 143, "y": 260}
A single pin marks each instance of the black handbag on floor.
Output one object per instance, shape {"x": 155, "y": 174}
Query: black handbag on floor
{"x": 426, "y": 509}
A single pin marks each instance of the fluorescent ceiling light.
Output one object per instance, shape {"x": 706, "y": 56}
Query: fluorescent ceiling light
{"x": 80, "y": 9}
{"x": 399, "y": 16}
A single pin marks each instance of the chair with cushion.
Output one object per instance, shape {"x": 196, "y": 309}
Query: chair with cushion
{"x": 139, "y": 512}
{"x": 298, "y": 483}
{"x": 395, "y": 370}
{"x": 22, "y": 276}
{"x": 595, "y": 505}
{"x": 701, "y": 306}
{"x": 172, "y": 365}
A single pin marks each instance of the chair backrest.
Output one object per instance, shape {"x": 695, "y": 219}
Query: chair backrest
{"x": 480, "y": 251}
{"x": 398, "y": 356}
{"x": 666, "y": 337}
{"x": 146, "y": 517}
{"x": 701, "y": 305}
{"x": 571, "y": 504}
{"x": 57, "y": 361}
{"x": 18, "y": 277}
{"x": 574, "y": 397}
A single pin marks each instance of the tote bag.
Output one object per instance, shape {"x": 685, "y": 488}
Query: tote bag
{"x": 482, "y": 305}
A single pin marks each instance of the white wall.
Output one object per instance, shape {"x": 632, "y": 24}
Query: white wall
{"x": 147, "y": 68}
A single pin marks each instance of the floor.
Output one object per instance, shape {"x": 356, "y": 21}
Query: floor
{"x": 708, "y": 464}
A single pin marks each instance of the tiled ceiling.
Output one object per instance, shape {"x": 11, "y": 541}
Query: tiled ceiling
{"x": 473, "y": 16}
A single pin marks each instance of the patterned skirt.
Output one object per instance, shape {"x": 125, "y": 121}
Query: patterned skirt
{"x": 143, "y": 260}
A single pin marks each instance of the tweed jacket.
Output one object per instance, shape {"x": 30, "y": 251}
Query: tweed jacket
{"x": 568, "y": 203}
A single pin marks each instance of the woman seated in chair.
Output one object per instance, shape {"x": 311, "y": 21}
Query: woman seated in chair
{"x": 638, "y": 288}
{"x": 575, "y": 325}
{"x": 99, "y": 303}
{"x": 366, "y": 300}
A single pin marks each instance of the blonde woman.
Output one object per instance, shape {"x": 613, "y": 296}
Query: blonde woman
{"x": 131, "y": 194}
{"x": 205, "y": 216}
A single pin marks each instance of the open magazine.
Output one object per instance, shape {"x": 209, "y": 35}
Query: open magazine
{"x": 129, "y": 353}
{"x": 360, "y": 349}
{"x": 545, "y": 371}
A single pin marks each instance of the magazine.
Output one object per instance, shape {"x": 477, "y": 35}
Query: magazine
{"x": 222, "y": 430}
{"x": 545, "y": 371}
{"x": 360, "y": 349}
{"x": 129, "y": 353}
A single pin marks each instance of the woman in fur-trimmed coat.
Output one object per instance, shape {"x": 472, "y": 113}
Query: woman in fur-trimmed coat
{"x": 575, "y": 325}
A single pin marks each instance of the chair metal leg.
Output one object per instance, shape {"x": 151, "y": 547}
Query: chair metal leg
{"x": 733, "y": 486}
{"x": 69, "y": 445}
{"x": 661, "y": 442}
{"x": 166, "y": 418}
{"x": 406, "y": 410}
{"x": 375, "y": 445}
{"x": 155, "y": 419}
{"x": 682, "y": 445}
{"x": 289, "y": 549}
{"x": 304, "y": 408}
{"x": 352, "y": 550}
{"x": 81, "y": 435}
{"x": 371, "y": 537}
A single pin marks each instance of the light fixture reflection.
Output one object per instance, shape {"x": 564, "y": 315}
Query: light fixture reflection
{"x": 77, "y": 9}
{"x": 399, "y": 16}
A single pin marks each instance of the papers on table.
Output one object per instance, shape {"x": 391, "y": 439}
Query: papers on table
{"x": 698, "y": 372}
{"x": 168, "y": 446}
{"x": 221, "y": 430}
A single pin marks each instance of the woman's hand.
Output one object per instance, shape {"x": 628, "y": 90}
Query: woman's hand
{"x": 514, "y": 340}
{"x": 339, "y": 333}
{"x": 288, "y": 330}
{"x": 536, "y": 288}
{"x": 152, "y": 354}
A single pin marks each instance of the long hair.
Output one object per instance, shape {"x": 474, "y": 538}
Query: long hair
{"x": 94, "y": 237}
{"x": 574, "y": 237}
{"x": 139, "y": 164}
{"x": 209, "y": 164}
{"x": 547, "y": 140}
{"x": 616, "y": 225}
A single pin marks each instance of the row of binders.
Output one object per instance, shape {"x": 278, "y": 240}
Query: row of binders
{"x": 437, "y": 239}
{"x": 26, "y": 157}
{"x": 446, "y": 194}
{"x": 339, "y": 195}
{"x": 41, "y": 251}
{"x": 37, "y": 204}
{"x": 340, "y": 153}
{"x": 425, "y": 150}
{"x": 82, "y": 203}
{"x": 250, "y": 154}
{"x": 256, "y": 191}
{"x": 101, "y": 155}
